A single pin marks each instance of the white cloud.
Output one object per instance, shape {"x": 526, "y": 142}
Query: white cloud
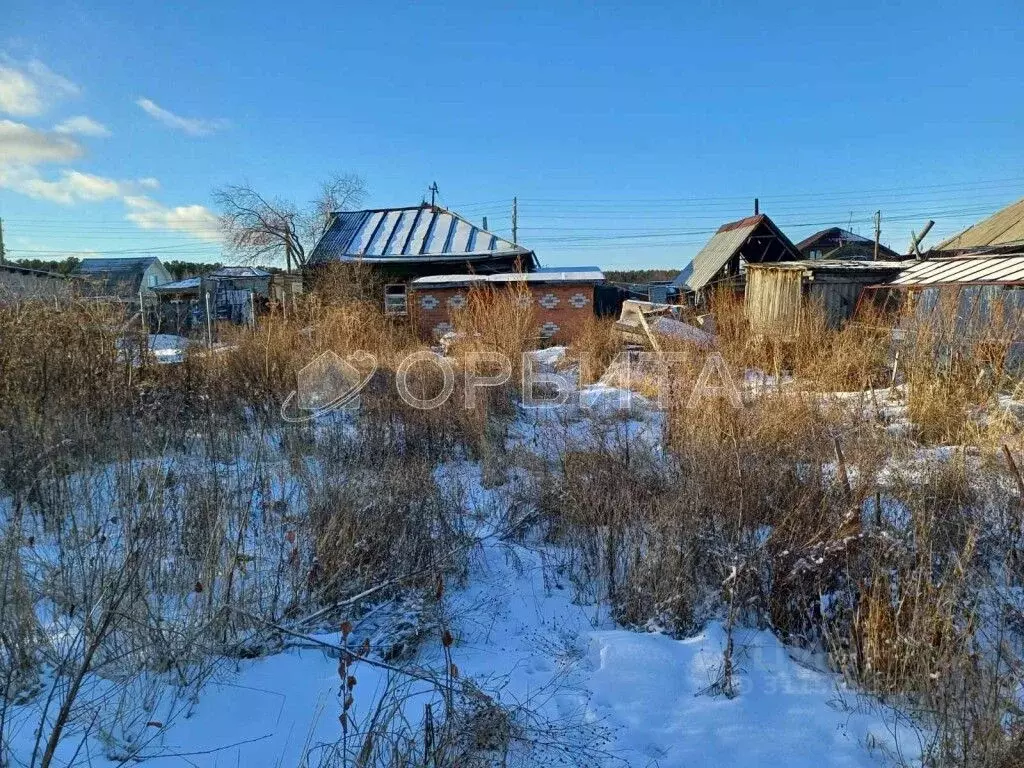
{"x": 30, "y": 88}
{"x": 195, "y": 220}
{"x": 193, "y": 126}
{"x": 149, "y": 183}
{"x": 82, "y": 126}
{"x": 22, "y": 144}
{"x": 69, "y": 188}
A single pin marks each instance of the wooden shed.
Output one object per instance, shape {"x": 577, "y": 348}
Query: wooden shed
{"x": 736, "y": 245}
{"x": 777, "y": 293}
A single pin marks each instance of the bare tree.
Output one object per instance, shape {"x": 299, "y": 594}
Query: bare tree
{"x": 257, "y": 227}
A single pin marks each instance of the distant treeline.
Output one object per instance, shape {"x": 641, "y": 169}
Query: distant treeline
{"x": 640, "y": 275}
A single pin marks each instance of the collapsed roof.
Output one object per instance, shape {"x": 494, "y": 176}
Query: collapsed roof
{"x": 751, "y": 240}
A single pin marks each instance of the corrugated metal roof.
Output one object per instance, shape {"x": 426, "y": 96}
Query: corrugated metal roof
{"x": 418, "y": 233}
{"x": 547, "y": 275}
{"x": 995, "y": 269}
{"x": 111, "y": 266}
{"x": 834, "y": 265}
{"x": 1005, "y": 227}
{"x": 728, "y": 240}
{"x": 719, "y": 249}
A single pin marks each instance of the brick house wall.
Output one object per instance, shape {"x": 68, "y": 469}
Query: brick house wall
{"x": 561, "y": 308}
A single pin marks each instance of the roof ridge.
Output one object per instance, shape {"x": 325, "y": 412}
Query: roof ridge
{"x": 395, "y": 233}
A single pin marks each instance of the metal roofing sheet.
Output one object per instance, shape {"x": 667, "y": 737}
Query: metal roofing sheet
{"x": 719, "y": 249}
{"x": 833, "y": 265}
{"x": 421, "y": 232}
{"x": 360, "y": 230}
{"x": 548, "y": 275}
{"x": 995, "y": 269}
{"x": 104, "y": 265}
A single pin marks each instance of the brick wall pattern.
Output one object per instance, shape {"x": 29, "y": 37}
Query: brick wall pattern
{"x": 560, "y": 308}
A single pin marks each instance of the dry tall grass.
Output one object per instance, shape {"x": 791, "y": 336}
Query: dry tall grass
{"x": 176, "y": 501}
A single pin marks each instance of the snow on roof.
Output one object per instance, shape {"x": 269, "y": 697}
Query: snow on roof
{"x": 188, "y": 284}
{"x": 419, "y": 233}
{"x": 547, "y": 275}
{"x": 238, "y": 272}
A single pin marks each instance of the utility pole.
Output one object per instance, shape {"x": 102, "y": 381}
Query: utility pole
{"x": 433, "y": 194}
{"x": 3, "y": 254}
{"x": 209, "y": 323}
{"x": 878, "y": 231}
{"x": 515, "y": 220}
{"x": 288, "y": 247}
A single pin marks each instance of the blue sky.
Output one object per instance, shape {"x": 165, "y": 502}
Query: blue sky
{"x": 627, "y": 133}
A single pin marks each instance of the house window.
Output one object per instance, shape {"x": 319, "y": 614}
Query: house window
{"x": 396, "y": 302}
{"x": 152, "y": 281}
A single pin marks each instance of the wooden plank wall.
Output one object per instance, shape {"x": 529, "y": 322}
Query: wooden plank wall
{"x": 773, "y": 301}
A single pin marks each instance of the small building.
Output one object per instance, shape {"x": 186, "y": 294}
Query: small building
{"x": 402, "y": 244}
{"x": 777, "y": 293}
{"x": 236, "y": 294}
{"x": 962, "y": 299}
{"x": 973, "y": 283}
{"x": 724, "y": 260}
{"x": 1002, "y": 232}
{"x": 21, "y": 284}
{"x": 563, "y": 298}
{"x": 838, "y": 243}
{"x": 124, "y": 279}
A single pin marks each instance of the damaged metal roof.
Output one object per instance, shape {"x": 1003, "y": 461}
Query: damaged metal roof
{"x": 993, "y": 270}
{"x": 729, "y": 240}
{"x": 852, "y": 266}
{"x": 420, "y": 233}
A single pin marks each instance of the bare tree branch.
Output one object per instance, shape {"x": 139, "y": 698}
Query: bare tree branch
{"x": 257, "y": 227}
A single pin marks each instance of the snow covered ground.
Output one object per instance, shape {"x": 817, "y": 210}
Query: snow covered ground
{"x": 580, "y": 689}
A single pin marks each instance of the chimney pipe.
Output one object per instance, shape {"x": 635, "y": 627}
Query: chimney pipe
{"x": 757, "y": 207}
{"x": 485, "y": 223}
